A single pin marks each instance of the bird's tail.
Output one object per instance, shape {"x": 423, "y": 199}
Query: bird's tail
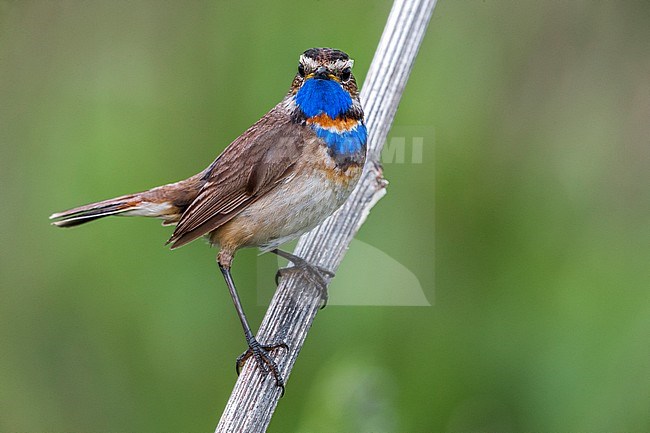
{"x": 166, "y": 202}
{"x": 126, "y": 204}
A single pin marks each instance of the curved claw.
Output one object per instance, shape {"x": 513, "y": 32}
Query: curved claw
{"x": 317, "y": 275}
{"x": 263, "y": 359}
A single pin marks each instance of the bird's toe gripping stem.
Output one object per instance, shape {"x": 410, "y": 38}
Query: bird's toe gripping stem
{"x": 263, "y": 358}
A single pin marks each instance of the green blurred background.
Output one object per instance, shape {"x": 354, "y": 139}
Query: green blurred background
{"x": 527, "y": 222}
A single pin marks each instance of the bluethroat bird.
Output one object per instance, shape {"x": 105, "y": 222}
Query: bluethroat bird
{"x": 279, "y": 179}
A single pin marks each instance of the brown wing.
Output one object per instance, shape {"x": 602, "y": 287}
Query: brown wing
{"x": 253, "y": 164}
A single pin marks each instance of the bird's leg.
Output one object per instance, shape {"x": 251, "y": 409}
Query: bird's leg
{"x": 317, "y": 275}
{"x": 255, "y": 349}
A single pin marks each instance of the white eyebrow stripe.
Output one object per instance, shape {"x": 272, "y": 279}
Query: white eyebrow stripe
{"x": 342, "y": 64}
{"x": 308, "y": 62}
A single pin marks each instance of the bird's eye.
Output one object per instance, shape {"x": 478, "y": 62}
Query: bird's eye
{"x": 301, "y": 70}
{"x": 345, "y": 74}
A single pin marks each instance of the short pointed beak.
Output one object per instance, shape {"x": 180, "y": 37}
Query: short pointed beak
{"x": 321, "y": 73}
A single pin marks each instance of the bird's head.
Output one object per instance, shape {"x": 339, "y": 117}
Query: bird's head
{"x": 324, "y": 83}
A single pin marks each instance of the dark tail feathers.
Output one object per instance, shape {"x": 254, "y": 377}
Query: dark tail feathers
{"x": 93, "y": 211}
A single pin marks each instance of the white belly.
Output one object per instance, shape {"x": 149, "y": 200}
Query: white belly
{"x": 291, "y": 209}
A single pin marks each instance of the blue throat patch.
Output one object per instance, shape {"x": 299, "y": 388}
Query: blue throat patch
{"x": 318, "y": 96}
{"x": 345, "y": 142}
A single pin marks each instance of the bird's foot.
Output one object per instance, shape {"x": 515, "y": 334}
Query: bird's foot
{"x": 317, "y": 275}
{"x": 261, "y": 355}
